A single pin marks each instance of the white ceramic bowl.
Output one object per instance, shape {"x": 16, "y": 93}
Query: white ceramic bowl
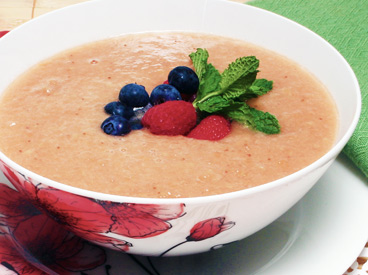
{"x": 175, "y": 226}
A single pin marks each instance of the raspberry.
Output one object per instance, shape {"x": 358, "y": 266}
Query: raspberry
{"x": 170, "y": 118}
{"x": 213, "y": 127}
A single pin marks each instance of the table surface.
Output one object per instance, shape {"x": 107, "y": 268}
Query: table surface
{"x": 15, "y": 12}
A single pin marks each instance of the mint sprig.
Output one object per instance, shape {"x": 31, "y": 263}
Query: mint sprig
{"x": 226, "y": 93}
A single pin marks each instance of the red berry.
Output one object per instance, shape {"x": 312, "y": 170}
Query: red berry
{"x": 170, "y": 118}
{"x": 187, "y": 97}
{"x": 213, "y": 127}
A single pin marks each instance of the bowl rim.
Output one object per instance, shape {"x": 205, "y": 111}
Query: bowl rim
{"x": 327, "y": 157}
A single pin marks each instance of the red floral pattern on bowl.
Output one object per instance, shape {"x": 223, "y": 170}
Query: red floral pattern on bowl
{"x": 110, "y": 224}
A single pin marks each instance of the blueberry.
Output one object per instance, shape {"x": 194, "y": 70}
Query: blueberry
{"x": 118, "y": 108}
{"x": 163, "y": 93}
{"x": 116, "y": 125}
{"x": 134, "y": 95}
{"x": 184, "y": 79}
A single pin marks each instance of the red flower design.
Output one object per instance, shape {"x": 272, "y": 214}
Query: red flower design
{"x": 53, "y": 249}
{"x": 142, "y": 221}
{"x": 204, "y": 230}
{"x": 11, "y": 260}
{"x": 30, "y": 234}
{"x": 2, "y": 33}
{"x": 63, "y": 214}
{"x": 14, "y": 207}
{"x": 87, "y": 216}
{"x": 208, "y": 229}
{"x": 92, "y": 219}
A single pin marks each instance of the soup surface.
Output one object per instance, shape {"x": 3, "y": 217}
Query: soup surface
{"x": 50, "y": 120}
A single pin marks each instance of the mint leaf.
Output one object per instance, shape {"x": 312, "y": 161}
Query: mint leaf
{"x": 213, "y": 104}
{"x": 199, "y": 59}
{"x": 259, "y": 87}
{"x": 233, "y": 82}
{"x": 242, "y": 115}
{"x": 227, "y": 93}
{"x": 240, "y": 87}
{"x": 265, "y": 122}
{"x": 209, "y": 83}
{"x": 237, "y": 73}
{"x": 256, "y": 119}
{"x": 209, "y": 76}
{"x": 218, "y": 104}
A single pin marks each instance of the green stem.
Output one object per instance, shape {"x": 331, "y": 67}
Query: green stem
{"x": 195, "y": 102}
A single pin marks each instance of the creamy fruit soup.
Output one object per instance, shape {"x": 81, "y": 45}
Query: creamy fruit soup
{"x": 50, "y": 121}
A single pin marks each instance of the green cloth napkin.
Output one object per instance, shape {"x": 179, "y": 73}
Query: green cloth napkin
{"x": 343, "y": 23}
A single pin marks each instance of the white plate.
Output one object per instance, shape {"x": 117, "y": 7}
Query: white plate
{"x": 323, "y": 234}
